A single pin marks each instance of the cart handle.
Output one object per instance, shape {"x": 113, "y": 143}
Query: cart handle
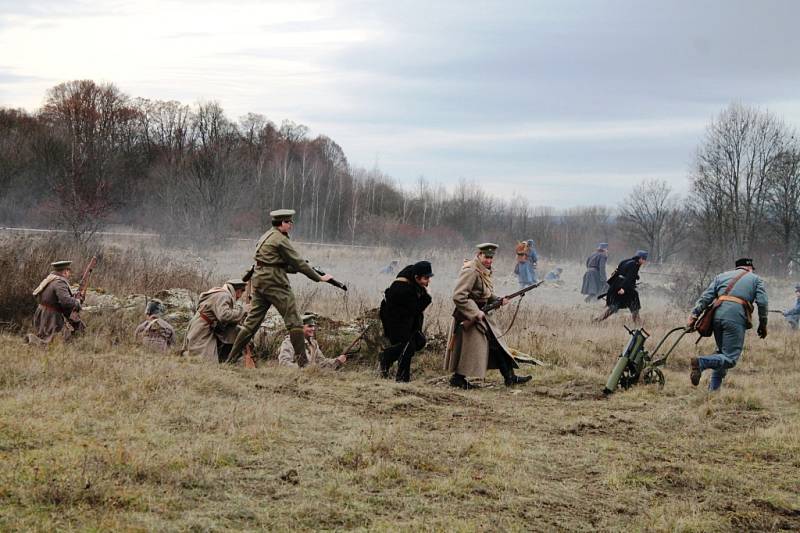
{"x": 661, "y": 361}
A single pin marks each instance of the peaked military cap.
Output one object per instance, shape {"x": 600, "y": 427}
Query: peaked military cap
{"x": 744, "y": 262}
{"x": 282, "y": 215}
{"x": 487, "y": 248}
{"x": 237, "y": 283}
{"x": 643, "y": 254}
{"x": 602, "y": 246}
{"x": 60, "y": 265}
{"x": 309, "y": 319}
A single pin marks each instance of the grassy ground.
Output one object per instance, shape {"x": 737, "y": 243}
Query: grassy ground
{"x": 100, "y": 436}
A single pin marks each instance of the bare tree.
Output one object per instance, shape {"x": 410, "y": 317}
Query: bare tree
{"x": 653, "y": 217}
{"x": 732, "y": 177}
{"x": 784, "y": 207}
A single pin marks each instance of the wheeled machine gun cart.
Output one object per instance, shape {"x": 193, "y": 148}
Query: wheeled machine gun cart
{"x": 635, "y": 363}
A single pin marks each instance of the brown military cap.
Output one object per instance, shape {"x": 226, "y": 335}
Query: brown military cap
{"x": 237, "y": 283}
{"x": 60, "y": 265}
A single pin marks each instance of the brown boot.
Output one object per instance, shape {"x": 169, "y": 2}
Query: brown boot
{"x": 694, "y": 375}
{"x": 299, "y": 345}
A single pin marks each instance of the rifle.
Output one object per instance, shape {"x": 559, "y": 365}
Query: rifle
{"x": 491, "y": 306}
{"x": 249, "y": 361}
{"x": 335, "y": 283}
{"x": 74, "y": 318}
{"x": 84, "y": 284}
{"x": 775, "y": 311}
{"x": 349, "y": 349}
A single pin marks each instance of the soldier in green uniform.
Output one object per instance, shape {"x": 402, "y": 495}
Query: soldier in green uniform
{"x": 275, "y": 258}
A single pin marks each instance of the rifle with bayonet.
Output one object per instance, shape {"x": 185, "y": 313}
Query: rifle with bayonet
{"x": 351, "y": 347}
{"x": 495, "y": 304}
{"x": 74, "y": 317}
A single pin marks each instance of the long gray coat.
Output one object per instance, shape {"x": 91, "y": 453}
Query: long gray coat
{"x": 594, "y": 280}
{"x": 216, "y": 318}
{"x": 468, "y": 349}
{"x": 56, "y": 302}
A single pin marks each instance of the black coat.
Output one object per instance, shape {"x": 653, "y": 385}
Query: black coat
{"x": 624, "y": 277}
{"x": 402, "y": 307}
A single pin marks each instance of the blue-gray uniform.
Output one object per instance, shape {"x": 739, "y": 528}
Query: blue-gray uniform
{"x": 731, "y": 320}
{"x": 793, "y": 315}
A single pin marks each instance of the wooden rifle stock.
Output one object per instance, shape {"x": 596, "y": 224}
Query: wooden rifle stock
{"x": 491, "y": 306}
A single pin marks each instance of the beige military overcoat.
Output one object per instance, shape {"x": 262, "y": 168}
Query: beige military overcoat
{"x": 313, "y": 353}
{"x": 217, "y": 316}
{"x": 156, "y": 334}
{"x": 56, "y": 302}
{"x": 468, "y": 348}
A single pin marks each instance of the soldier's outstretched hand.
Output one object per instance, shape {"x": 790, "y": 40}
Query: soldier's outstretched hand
{"x": 326, "y": 277}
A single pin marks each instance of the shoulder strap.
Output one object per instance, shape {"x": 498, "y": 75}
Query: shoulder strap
{"x": 729, "y": 288}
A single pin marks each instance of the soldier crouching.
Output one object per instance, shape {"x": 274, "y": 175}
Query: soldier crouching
{"x": 313, "y": 353}
{"x": 58, "y": 306}
{"x": 213, "y": 327}
{"x": 155, "y": 333}
{"x": 402, "y": 318}
{"x": 473, "y": 345}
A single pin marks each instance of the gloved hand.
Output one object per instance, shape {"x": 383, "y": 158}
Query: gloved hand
{"x": 762, "y": 329}
{"x": 690, "y": 322}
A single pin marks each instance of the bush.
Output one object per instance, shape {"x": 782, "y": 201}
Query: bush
{"x": 25, "y": 261}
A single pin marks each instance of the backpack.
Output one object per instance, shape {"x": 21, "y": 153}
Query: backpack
{"x": 522, "y": 248}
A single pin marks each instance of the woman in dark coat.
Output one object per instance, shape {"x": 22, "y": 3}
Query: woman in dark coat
{"x": 622, "y": 287}
{"x": 594, "y": 280}
{"x": 402, "y": 315}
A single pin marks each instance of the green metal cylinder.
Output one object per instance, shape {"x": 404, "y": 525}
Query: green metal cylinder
{"x": 613, "y": 379}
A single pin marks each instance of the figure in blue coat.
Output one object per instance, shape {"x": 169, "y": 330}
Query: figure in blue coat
{"x": 731, "y": 319}
{"x": 792, "y": 316}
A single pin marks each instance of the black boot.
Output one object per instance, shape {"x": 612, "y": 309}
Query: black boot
{"x": 507, "y": 371}
{"x": 459, "y": 381}
{"x": 385, "y": 364}
{"x": 404, "y": 364}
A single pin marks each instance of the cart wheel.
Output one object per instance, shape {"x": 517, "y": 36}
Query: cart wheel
{"x": 654, "y": 376}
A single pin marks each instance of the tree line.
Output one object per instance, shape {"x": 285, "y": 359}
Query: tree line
{"x": 93, "y": 156}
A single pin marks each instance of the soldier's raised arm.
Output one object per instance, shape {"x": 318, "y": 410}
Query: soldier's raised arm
{"x": 295, "y": 262}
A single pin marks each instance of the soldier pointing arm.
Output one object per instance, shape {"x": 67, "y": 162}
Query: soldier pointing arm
{"x": 275, "y": 258}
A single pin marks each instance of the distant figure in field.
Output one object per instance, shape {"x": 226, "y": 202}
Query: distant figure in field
{"x": 792, "y": 315}
{"x": 522, "y": 268}
{"x": 622, "y": 292}
{"x": 533, "y": 259}
{"x": 54, "y": 314}
{"x": 391, "y": 268}
{"x": 155, "y": 333}
{"x": 735, "y": 291}
{"x": 554, "y": 275}
{"x": 594, "y": 279}
{"x": 213, "y": 327}
{"x": 286, "y": 355}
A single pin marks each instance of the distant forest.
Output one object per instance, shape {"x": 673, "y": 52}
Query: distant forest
{"x": 94, "y": 156}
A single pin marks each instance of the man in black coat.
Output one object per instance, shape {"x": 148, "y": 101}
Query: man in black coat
{"x": 622, "y": 287}
{"x": 401, "y": 314}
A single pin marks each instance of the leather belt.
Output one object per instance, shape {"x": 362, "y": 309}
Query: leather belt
{"x": 728, "y": 298}
{"x": 262, "y": 264}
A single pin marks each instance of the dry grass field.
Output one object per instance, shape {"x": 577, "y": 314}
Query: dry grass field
{"x": 100, "y": 435}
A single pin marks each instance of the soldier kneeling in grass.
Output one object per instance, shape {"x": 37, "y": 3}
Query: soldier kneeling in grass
{"x": 313, "y": 353}
{"x": 155, "y": 332}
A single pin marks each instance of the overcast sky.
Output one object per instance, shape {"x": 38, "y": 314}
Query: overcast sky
{"x": 564, "y": 102}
